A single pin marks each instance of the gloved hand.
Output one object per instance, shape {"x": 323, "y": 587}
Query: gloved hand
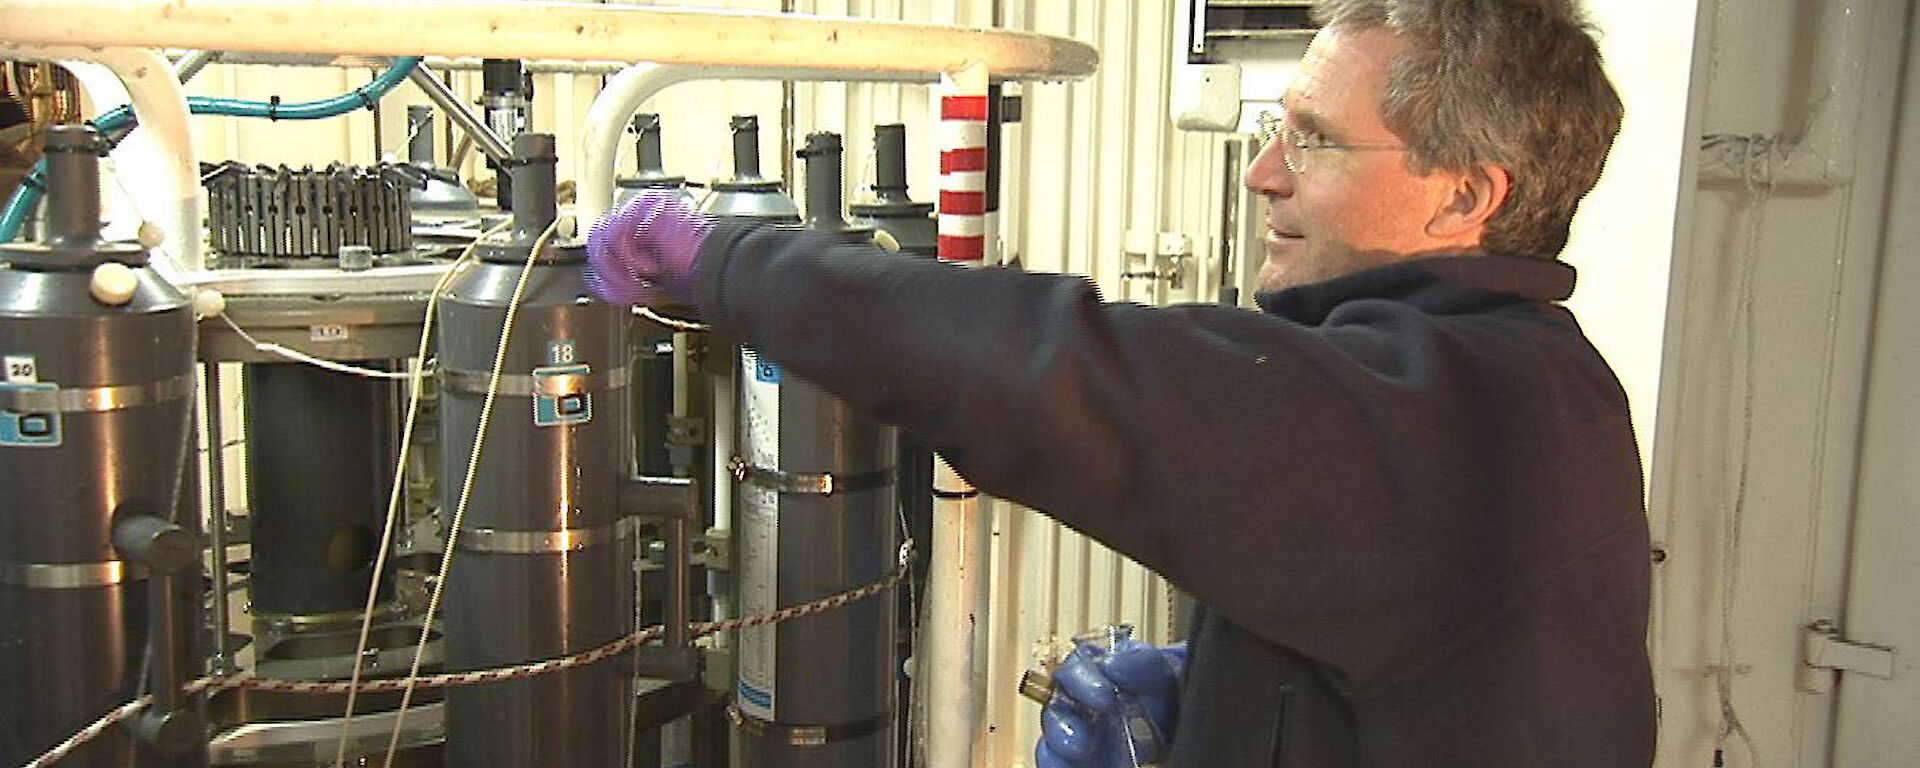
{"x": 1115, "y": 703}
{"x": 643, "y": 251}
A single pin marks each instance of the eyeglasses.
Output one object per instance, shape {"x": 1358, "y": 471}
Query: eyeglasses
{"x": 1296, "y": 145}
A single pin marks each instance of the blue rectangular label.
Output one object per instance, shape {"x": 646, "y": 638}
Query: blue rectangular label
{"x": 560, "y": 410}
{"x": 30, "y": 430}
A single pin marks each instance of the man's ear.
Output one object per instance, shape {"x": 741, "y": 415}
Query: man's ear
{"x": 1475, "y": 196}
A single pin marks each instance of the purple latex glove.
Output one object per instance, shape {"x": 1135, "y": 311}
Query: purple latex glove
{"x": 643, "y": 251}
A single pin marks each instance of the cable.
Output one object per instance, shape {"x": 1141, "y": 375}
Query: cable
{"x": 674, "y": 323}
{"x": 399, "y": 480}
{"x": 466, "y": 485}
{"x": 321, "y": 362}
{"x": 1757, "y": 167}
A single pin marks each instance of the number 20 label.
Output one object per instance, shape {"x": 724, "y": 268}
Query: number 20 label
{"x": 20, "y": 369}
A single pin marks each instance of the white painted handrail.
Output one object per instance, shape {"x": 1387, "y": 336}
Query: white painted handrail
{"x": 567, "y": 31}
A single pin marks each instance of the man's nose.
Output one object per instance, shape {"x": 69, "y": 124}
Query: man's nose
{"x": 1269, "y": 175}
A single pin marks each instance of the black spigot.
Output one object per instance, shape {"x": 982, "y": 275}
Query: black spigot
{"x": 170, "y": 553}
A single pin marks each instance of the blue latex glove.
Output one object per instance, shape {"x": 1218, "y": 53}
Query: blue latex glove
{"x": 1112, "y": 690}
{"x": 643, "y": 251}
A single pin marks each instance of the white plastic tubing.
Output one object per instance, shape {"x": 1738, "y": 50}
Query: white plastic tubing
{"x": 160, "y": 154}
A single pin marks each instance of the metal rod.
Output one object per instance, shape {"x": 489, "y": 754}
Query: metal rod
{"x": 679, "y": 560}
{"x": 217, "y": 516}
{"x": 440, "y": 63}
{"x": 191, "y": 64}
{"x": 488, "y": 141}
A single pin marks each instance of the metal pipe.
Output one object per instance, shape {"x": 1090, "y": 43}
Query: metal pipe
{"x": 719, "y": 580}
{"x": 190, "y": 65}
{"x": 489, "y": 142}
{"x": 679, "y": 560}
{"x": 217, "y": 513}
{"x": 957, "y": 575}
{"x": 442, "y": 63}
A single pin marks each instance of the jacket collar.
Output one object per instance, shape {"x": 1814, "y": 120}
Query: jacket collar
{"x": 1425, "y": 282}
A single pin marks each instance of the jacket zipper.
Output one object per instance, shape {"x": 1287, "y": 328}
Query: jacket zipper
{"x": 1277, "y": 748}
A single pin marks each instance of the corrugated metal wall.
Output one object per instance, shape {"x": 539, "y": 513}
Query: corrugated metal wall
{"x": 1094, "y": 169}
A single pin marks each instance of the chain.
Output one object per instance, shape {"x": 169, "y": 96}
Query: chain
{"x": 477, "y": 677}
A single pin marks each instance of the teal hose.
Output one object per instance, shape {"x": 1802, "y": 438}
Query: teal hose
{"x": 117, "y": 122}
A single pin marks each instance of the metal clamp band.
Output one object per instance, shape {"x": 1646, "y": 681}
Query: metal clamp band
{"x": 506, "y": 542}
{"x": 814, "y": 483}
{"x": 956, "y": 495}
{"x": 807, "y": 735}
{"x": 46, "y": 398}
{"x": 523, "y": 385}
{"x": 69, "y": 575}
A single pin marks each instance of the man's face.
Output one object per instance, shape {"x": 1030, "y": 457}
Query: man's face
{"x": 1347, "y": 209}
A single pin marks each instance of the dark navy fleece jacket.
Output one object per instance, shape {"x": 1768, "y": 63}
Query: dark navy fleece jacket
{"x": 1408, "y": 499}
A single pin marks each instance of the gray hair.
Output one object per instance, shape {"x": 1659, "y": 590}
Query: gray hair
{"x": 1515, "y": 83}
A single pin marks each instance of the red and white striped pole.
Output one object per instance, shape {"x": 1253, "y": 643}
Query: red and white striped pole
{"x": 952, "y": 664}
{"x": 963, "y": 166}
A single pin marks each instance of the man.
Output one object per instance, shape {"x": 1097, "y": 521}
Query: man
{"x": 1406, "y": 494}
